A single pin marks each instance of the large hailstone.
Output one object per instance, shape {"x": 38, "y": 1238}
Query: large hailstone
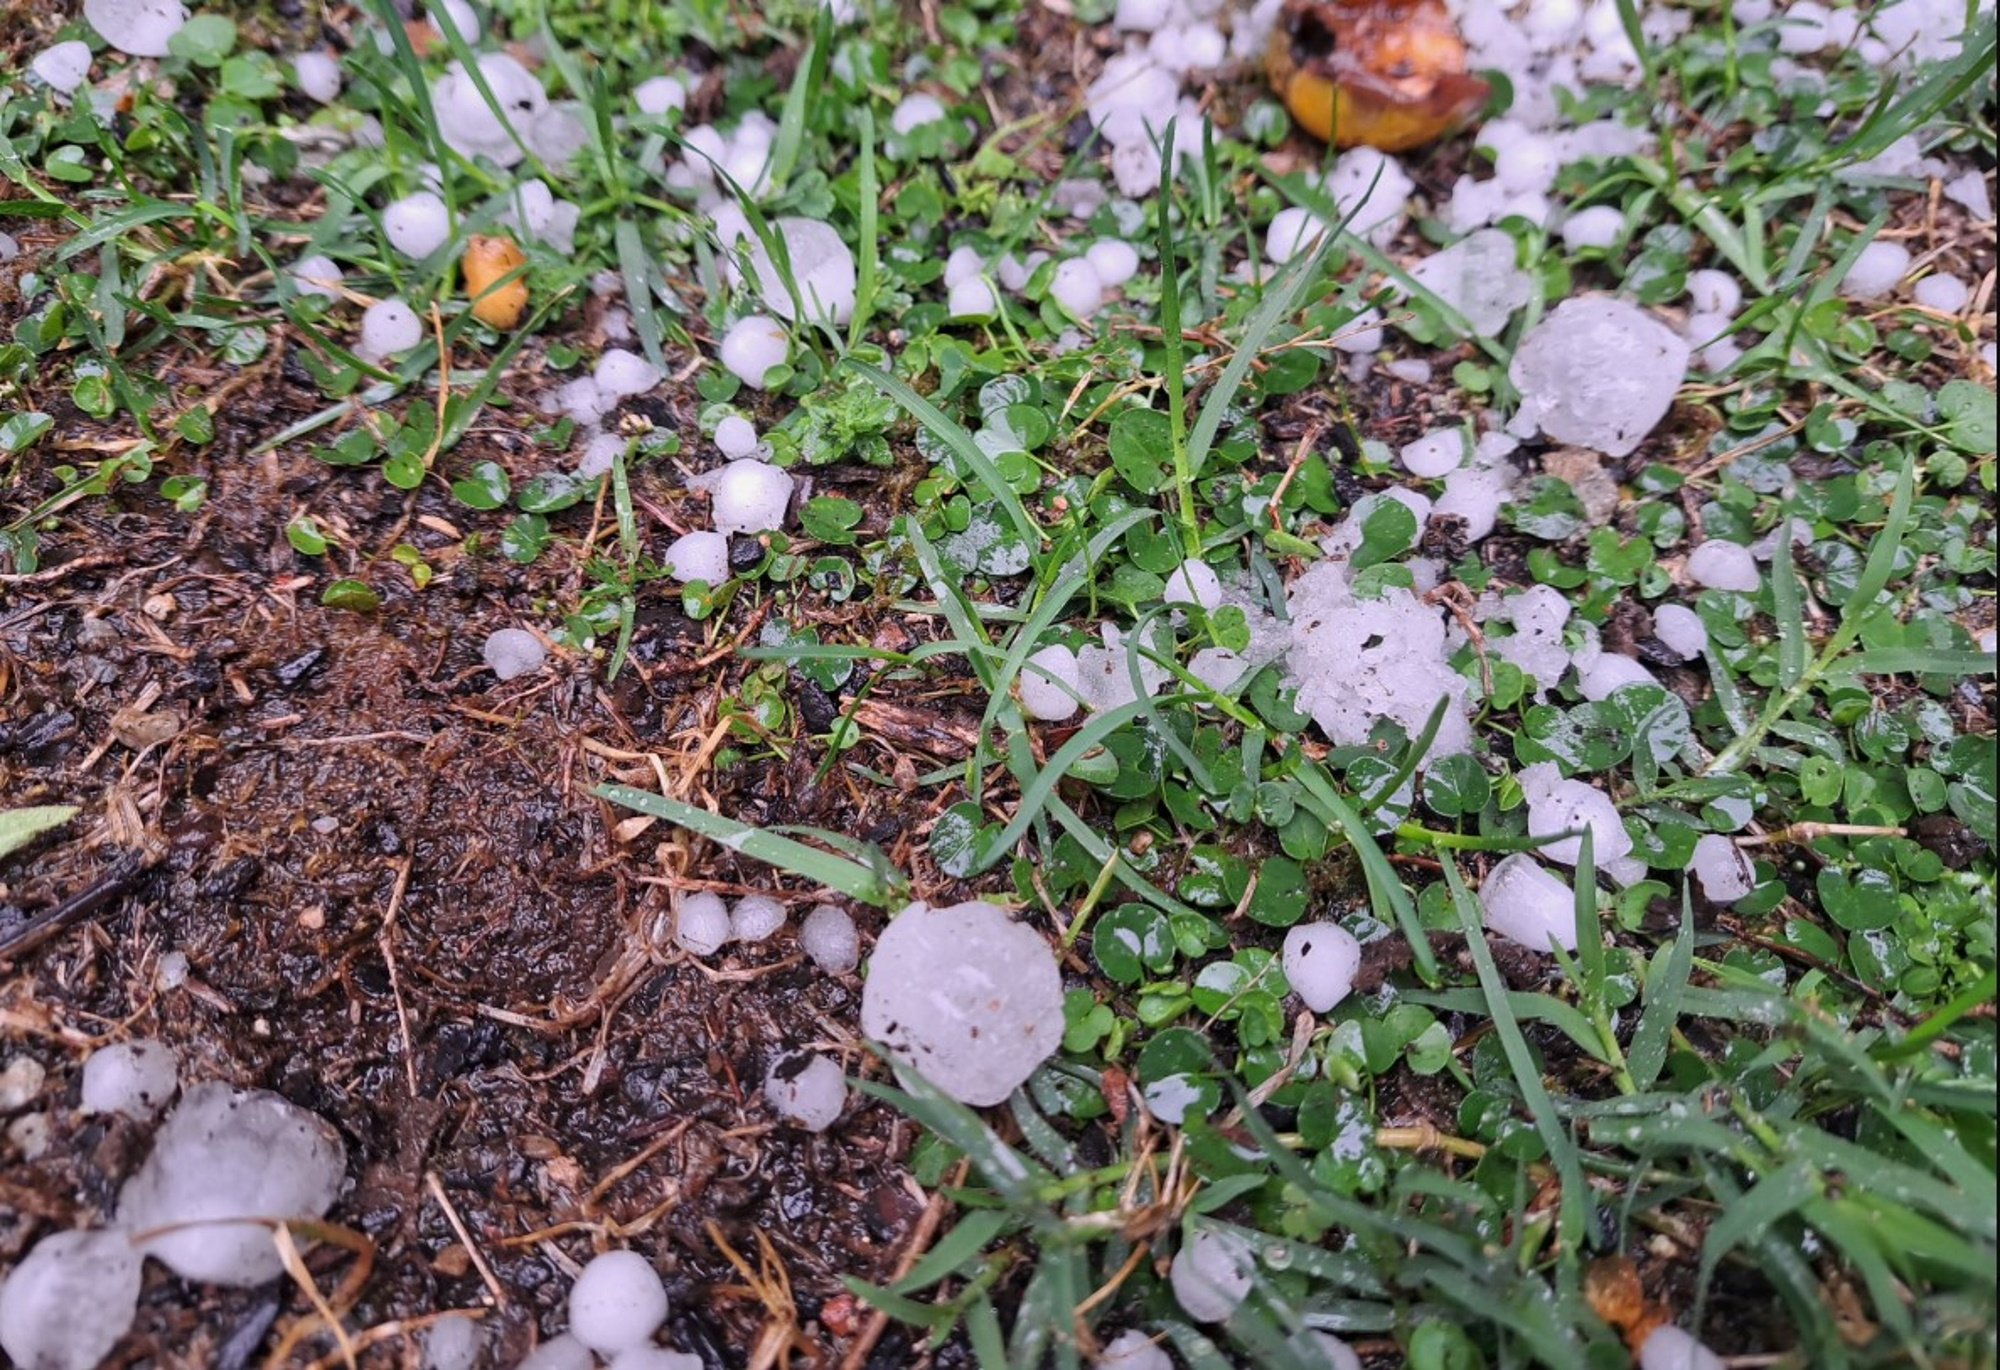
{"x": 70, "y": 1300}
{"x": 1527, "y": 905}
{"x": 965, "y": 996}
{"x": 137, "y": 28}
{"x": 822, "y": 268}
{"x": 1599, "y": 373}
{"x": 228, "y": 1154}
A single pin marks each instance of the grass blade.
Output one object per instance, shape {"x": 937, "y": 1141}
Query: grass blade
{"x": 954, "y": 436}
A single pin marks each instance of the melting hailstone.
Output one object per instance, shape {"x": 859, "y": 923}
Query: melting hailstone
{"x": 806, "y": 1089}
{"x": 133, "y": 1078}
{"x": 1527, "y": 905}
{"x": 70, "y": 1300}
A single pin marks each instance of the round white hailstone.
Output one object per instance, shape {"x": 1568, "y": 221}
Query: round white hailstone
{"x": 1212, "y": 1275}
{"x": 753, "y": 348}
{"x": 1133, "y": 1350}
{"x": 1714, "y": 292}
{"x": 1217, "y": 667}
{"x": 511, "y": 652}
{"x": 1723, "y": 565}
{"x": 1597, "y": 226}
{"x": 137, "y": 28}
{"x": 735, "y": 436}
{"x": 1669, "y": 1348}
{"x": 655, "y": 1358}
{"x": 1527, "y": 165}
{"x": 1114, "y": 260}
{"x": 701, "y": 923}
{"x": 1076, "y": 288}
{"x": 582, "y": 401}
{"x": 755, "y": 918}
{"x": 916, "y": 110}
{"x": 1527, "y": 905}
{"x": 623, "y": 373}
{"x": 1047, "y": 684}
{"x": 173, "y": 970}
{"x": 1705, "y": 330}
{"x": 132, "y": 1078}
{"x": 1720, "y": 869}
{"x": 224, "y": 1155}
{"x": 559, "y": 1353}
{"x": 1014, "y": 272}
{"x": 701, "y": 556}
{"x": 317, "y": 274}
{"x": 1805, "y": 28}
{"x": 829, "y": 938}
{"x": 1437, "y": 453}
{"x": 1681, "y": 629}
{"x": 1292, "y": 231}
{"x": 1141, "y": 16}
{"x": 1203, "y": 47}
{"x": 1194, "y": 582}
{"x": 1371, "y": 188}
{"x": 459, "y": 13}
{"x": 318, "y": 75}
{"x": 806, "y": 1089}
{"x": 1361, "y": 334}
{"x": 1876, "y": 271}
{"x": 972, "y": 298}
{"x": 1608, "y": 672}
{"x": 70, "y": 1300}
{"x": 1320, "y": 961}
{"x": 600, "y": 454}
{"x": 966, "y": 997}
{"x": 617, "y": 1302}
{"x": 62, "y": 66}
{"x": 658, "y": 94}
{"x": 452, "y": 1343}
{"x": 750, "y": 496}
{"x": 466, "y": 122}
{"x": 962, "y": 265}
{"x": 417, "y": 225}
{"x": 388, "y": 327}
{"x": 822, "y": 267}
{"x": 1945, "y": 294}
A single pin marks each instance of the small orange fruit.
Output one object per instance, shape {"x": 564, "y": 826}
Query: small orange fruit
{"x": 496, "y": 302}
{"x": 1390, "y": 74}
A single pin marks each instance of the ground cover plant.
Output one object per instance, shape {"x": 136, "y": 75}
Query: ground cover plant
{"x": 735, "y": 685}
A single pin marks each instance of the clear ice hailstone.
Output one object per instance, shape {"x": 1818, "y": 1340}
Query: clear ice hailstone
{"x": 1599, "y": 373}
{"x": 1133, "y": 1350}
{"x": 972, "y": 298}
{"x": 1943, "y": 293}
{"x": 1292, "y": 231}
{"x": 735, "y": 437}
{"x": 1597, "y": 226}
{"x": 617, "y": 1302}
{"x": 1048, "y": 684}
{"x": 417, "y": 225}
{"x": 511, "y": 652}
{"x": 1669, "y": 1348}
{"x": 1876, "y": 271}
{"x": 1114, "y": 260}
{"x": 231, "y": 1154}
{"x": 1320, "y": 960}
{"x": 1437, "y": 453}
{"x": 70, "y": 1300}
{"x": 1478, "y": 277}
{"x": 700, "y": 555}
{"x": 701, "y": 923}
{"x": 623, "y": 373}
{"x": 1076, "y": 288}
{"x": 1212, "y": 1275}
{"x": 829, "y": 937}
{"x": 1681, "y": 629}
{"x": 1194, "y": 582}
{"x": 915, "y": 111}
{"x": 317, "y": 274}
{"x": 559, "y": 1353}
{"x": 452, "y": 1343}
{"x": 466, "y": 122}
{"x": 62, "y": 66}
{"x": 1527, "y": 905}
{"x": 755, "y": 918}
{"x": 1720, "y": 869}
{"x": 753, "y": 348}
{"x": 389, "y": 327}
{"x": 1723, "y": 565}
{"x": 806, "y": 1089}
{"x": 822, "y": 268}
{"x": 137, "y": 28}
{"x": 600, "y": 454}
{"x": 750, "y": 496}
{"x": 965, "y": 996}
{"x": 132, "y": 1078}
{"x": 318, "y": 75}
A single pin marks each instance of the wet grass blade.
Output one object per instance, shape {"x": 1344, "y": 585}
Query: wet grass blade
{"x": 1666, "y": 982}
{"x": 954, "y": 436}
{"x": 633, "y": 266}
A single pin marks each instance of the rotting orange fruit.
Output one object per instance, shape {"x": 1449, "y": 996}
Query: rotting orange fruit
{"x": 1390, "y": 74}
{"x": 487, "y": 262}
